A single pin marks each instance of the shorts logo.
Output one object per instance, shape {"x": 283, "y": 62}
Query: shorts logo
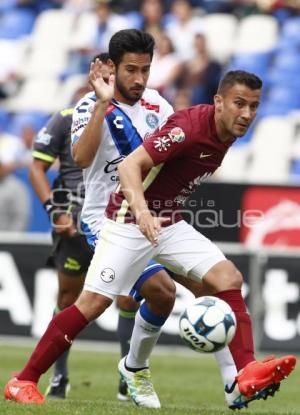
{"x": 72, "y": 264}
{"x": 177, "y": 135}
{"x": 152, "y": 120}
{"x": 107, "y": 275}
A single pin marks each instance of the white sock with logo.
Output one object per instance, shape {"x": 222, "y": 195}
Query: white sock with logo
{"x": 143, "y": 340}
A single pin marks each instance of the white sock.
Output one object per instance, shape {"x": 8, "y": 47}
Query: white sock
{"x": 226, "y": 365}
{"x": 143, "y": 340}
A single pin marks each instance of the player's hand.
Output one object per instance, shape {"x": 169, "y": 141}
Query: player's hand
{"x": 64, "y": 224}
{"x": 150, "y": 226}
{"x": 104, "y": 89}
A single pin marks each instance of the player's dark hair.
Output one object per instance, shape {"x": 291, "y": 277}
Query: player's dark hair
{"x": 103, "y": 57}
{"x": 232, "y": 78}
{"x": 130, "y": 41}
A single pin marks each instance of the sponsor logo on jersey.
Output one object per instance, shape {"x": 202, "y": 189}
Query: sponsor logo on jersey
{"x": 107, "y": 275}
{"x": 80, "y": 123}
{"x": 162, "y": 143}
{"x": 148, "y": 106}
{"x": 112, "y": 166}
{"x": 118, "y": 121}
{"x": 177, "y": 135}
{"x": 43, "y": 137}
{"x": 152, "y": 120}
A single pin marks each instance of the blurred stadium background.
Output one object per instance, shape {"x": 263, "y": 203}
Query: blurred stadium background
{"x": 251, "y": 207}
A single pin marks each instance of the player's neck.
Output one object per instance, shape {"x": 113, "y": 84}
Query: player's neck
{"x": 122, "y": 100}
{"x": 222, "y": 133}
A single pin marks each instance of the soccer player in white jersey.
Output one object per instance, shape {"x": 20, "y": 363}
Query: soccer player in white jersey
{"x": 125, "y": 125}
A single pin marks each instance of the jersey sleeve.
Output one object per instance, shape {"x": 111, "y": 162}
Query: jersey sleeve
{"x": 81, "y": 116}
{"x": 171, "y": 140}
{"x": 47, "y": 143}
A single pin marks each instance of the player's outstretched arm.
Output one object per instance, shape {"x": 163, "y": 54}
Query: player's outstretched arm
{"x": 84, "y": 149}
{"x": 130, "y": 172}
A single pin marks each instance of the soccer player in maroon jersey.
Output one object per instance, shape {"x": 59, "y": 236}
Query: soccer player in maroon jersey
{"x": 155, "y": 180}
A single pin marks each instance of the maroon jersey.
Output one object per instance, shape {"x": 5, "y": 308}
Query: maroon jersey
{"x": 185, "y": 151}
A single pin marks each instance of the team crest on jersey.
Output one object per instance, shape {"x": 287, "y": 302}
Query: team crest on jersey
{"x": 177, "y": 135}
{"x": 152, "y": 120}
{"x": 162, "y": 143}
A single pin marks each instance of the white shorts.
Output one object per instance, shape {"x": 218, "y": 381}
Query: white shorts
{"x": 122, "y": 254}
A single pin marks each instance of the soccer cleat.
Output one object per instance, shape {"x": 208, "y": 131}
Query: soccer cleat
{"x": 235, "y": 400}
{"x": 123, "y": 394}
{"x": 23, "y": 391}
{"x": 140, "y": 386}
{"x": 58, "y": 388}
{"x": 257, "y": 376}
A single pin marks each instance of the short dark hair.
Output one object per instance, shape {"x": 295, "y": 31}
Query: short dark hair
{"x": 238, "y": 77}
{"x": 103, "y": 57}
{"x": 130, "y": 41}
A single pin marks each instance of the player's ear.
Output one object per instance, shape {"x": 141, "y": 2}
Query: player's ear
{"x": 218, "y": 101}
{"x": 111, "y": 66}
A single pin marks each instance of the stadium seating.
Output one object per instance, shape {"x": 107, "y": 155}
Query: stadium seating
{"x": 16, "y": 23}
{"x": 36, "y": 95}
{"x": 270, "y": 151}
{"x": 220, "y": 30}
{"x": 256, "y": 33}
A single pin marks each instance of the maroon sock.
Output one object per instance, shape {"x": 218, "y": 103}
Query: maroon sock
{"x": 58, "y": 338}
{"x": 241, "y": 347}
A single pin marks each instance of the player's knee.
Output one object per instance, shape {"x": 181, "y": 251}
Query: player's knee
{"x": 92, "y": 305}
{"x": 224, "y": 276}
{"x": 233, "y": 279}
{"x": 160, "y": 294}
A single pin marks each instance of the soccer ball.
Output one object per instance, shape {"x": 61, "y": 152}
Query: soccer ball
{"x": 208, "y": 324}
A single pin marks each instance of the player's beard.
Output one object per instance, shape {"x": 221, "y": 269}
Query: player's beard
{"x": 133, "y": 98}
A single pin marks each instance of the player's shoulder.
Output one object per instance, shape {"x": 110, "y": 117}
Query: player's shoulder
{"x": 66, "y": 112}
{"x": 195, "y": 114}
{"x": 86, "y": 102}
{"x": 154, "y": 103}
{"x": 153, "y": 97}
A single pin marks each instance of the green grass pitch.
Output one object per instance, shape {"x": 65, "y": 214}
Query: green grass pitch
{"x": 186, "y": 385}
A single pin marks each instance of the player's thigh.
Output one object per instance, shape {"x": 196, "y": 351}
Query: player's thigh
{"x": 69, "y": 288}
{"x": 121, "y": 255}
{"x": 187, "y": 252}
{"x": 72, "y": 256}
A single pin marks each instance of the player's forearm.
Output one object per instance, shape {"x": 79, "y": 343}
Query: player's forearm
{"x": 84, "y": 150}
{"x": 40, "y": 183}
{"x": 132, "y": 187}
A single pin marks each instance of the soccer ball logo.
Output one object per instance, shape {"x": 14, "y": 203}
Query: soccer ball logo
{"x": 208, "y": 324}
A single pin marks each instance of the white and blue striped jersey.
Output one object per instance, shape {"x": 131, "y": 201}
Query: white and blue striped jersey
{"x": 125, "y": 127}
